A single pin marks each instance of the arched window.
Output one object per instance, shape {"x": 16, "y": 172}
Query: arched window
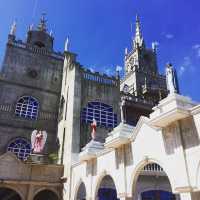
{"x": 101, "y": 112}
{"x": 27, "y": 107}
{"x": 20, "y": 147}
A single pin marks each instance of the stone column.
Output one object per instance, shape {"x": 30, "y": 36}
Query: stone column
{"x": 30, "y": 192}
{"x": 189, "y": 196}
{"x": 126, "y": 198}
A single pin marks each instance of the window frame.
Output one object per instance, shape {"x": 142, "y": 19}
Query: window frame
{"x": 21, "y": 147}
{"x": 27, "y": 107}
{"x": 101, "y": 112}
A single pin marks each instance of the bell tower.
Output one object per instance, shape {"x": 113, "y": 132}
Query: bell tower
{"x": 142, "y": 82}
{"x": 39, "y": 36}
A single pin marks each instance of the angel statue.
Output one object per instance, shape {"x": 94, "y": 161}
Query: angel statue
{"x": 94, "y": 129}
{"x": 38, "y": 140}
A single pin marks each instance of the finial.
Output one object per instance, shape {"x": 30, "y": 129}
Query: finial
{"x": 67, "y": 44}
{"x": 137, "y": 18}
{"x": 31, "y": 27}
{"x": 13, "y": 28}
{"x": 51, "y": 33}
{"x": 42, "y": 24}
{"x": 155, "y": 46}
{"x": 126, "y": 51}
{"x": 145, "y": 81}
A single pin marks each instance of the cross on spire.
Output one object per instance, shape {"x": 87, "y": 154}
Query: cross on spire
{"x": 42, "y": 25}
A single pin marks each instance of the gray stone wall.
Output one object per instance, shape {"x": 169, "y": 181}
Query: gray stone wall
{"x": 103, "y": 89}
{"x": 29, "y": 71}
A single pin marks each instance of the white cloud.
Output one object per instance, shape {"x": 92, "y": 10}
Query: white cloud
{"x": 186, "y": 65}
{"x": 181, "y": 70}
{"x": 169, "y": 36}
{"x": 196, "y": 47}
{"x": 118, "y": 68}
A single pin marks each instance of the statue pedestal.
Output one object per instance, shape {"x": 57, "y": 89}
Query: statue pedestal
{"x": 90, "y": 150}
{"x": 39, "y": 158}
{"x": 173, "y": 108}
{"x": 119, "y": 136}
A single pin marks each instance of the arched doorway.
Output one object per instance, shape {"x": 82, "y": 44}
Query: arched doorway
{"x": 81, "y": 194}
{"x": 9, "y": 194}
{"x": 153, "y": 184}
{"x": 107, "y": 189}
{"x": 46, "y": 195}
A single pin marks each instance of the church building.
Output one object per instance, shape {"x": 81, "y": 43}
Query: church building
{"x": 68, "y": 133}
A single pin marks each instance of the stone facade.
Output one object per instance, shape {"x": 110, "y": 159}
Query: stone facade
{"x": 29, "y": 179}
{"x": 30, "y": 70}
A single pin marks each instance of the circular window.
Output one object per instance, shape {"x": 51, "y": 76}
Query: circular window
{"x": 32, "y": 73}
{"x": 20, "y": 147}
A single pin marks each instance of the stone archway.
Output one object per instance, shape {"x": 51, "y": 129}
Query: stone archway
{"x": 46, "y": 195}
{"x": 107, "y": 189}
{"x": 81, "y": 193}
{"x": 152, "y": 183}
{"x": 9, "y": 194}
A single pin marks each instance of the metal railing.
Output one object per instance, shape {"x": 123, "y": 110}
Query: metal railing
{"x": 153, "y": 167}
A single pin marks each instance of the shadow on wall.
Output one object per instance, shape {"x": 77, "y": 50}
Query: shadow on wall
{"x": 188, "y": 132}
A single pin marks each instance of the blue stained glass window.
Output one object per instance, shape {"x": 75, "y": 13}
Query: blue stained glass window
{"x": 101, "y": 112}
{"x": 27, "y": 107}
{"x": 20, "y": 147}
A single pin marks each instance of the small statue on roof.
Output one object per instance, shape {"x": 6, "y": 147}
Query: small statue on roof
{"x": 94, "y": 129}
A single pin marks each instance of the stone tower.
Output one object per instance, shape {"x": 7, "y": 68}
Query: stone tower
{"x": 30, "y": 84}
{"x": 85, "y": 95}
{"x": 142, "y": 85}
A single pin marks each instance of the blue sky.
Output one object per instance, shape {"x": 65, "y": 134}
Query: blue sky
{"x": 99, "y": 31}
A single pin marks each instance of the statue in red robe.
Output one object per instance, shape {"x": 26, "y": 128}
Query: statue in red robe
{"x": 94, "y": 129}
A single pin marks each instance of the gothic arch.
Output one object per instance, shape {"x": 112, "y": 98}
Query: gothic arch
{"x": 139, "y": 167}
{"x": 53, "y": 191}
{"x": 16, "y": 190}
{"x": 79, "y": 186}
{"x": 99, "y": 181}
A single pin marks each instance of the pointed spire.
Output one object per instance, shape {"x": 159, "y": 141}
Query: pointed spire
{"x": 67, "y": 44}
{"x": 42, "y": 25}
{"x": 126, "y": 51}
{"x": 13, "y": 28}
{"x": 31, "y": 27}
{"x": 138, "y": 40}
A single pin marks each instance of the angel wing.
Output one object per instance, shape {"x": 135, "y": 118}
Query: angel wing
{"x": 33, "y": 136}
{"x": 44, "y": 139}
